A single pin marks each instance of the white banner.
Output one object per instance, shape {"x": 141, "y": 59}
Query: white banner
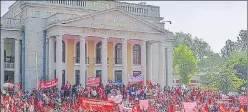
{"x": 138, "y": 78}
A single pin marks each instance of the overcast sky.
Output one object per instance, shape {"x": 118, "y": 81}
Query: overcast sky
{"x": 213, "y": 21}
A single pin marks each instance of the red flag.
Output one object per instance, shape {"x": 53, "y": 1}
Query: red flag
{"x": 52, "y": 104}
{"x": 18, "y": 86}
{"x": 6, "y": 98}
{"x": 39, "y": 105}
{"x": 136, "y": 108}
{"x": 172, "y": 108}
{"x": 223, "y": 108}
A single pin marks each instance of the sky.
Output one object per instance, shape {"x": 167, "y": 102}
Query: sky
{"x": 212, "y": 21}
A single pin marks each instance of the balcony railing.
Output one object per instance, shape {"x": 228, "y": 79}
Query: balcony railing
{"x": 9, "y": 65}
{"x": 77, "y": 60}
{"x": 118, "y": 60}
{"x": 98, "y": 60}
{"x": 11, "y": 23}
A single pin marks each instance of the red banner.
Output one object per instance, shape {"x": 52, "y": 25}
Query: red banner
{"x": 18, "y": 86}
{"x": 94, "y": 81}
{"x": 48, "y": 84}
{"x": 96, "y": 105}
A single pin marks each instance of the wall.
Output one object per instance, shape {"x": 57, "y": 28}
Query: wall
{"x": 70, "y": 63}
{"x": 111, "y": 60}
{"x": 33, "y": 44}
{"x": 91, "y": 51}
{"x": 155, "y": 62}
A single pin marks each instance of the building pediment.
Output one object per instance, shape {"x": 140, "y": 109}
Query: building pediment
{"x": 113, "y": 19}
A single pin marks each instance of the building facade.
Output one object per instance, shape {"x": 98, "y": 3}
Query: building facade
{"x": 74, "y": 40}
{"x": 194, "y": 81}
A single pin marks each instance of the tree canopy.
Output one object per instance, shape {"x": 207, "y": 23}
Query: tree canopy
{"x": 184, "y": 63}
{"x": 225, "y": 79}
{"x": 225, "y": 71}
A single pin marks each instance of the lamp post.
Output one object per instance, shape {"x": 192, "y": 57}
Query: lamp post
{"x": 167, "y": 21}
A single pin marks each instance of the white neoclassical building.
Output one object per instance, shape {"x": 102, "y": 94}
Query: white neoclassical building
{"x": 73, "y": 40}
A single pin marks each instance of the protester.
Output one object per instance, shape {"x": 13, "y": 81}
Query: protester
{"x": 160, "y": 100}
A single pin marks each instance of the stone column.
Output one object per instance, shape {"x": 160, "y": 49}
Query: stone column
{"x": 51, "y": 58}
{"x": 169, "y": 61}
{"x": 124, "y": 62}
{"x": 59, "y": 60}
{"x": 17, "y": 63}
{"x": 2, "y": 63}
{"x": 161, "y": 64}
{"x": 169, "y": 66}
{"x": 104, "y": 61}
{"x": 82, "y": 61}
{"x": 143, "y": 60}
{"x": 149, "y": 61}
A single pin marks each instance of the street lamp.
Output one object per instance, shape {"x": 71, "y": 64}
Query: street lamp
{"x": 167, "y": 21}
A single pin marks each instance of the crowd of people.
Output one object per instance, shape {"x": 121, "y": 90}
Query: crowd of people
{"x": 160, "y": 99}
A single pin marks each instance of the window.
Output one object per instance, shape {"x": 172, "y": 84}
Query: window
{"x": 63, "y": 51}
{"x": 86, "y": 77}
{"x": 4, "y": 55}
{"x": 55, "y": 74}
{"x": 136, "y": 54}
{"x": 37, "y": 13}
{"x": 9, "y": 76}
{"x": 98, "y": 73}
{"x": 63, "y": 77}
{"x": 78, "y": 52}
{"x": 77, "y": 77}
{"x": 118, "y": 76}
{"x": 136, "y": 73}
{"x": 54, "y": 51}
{"x": 118, "y": 53}
{"x": 98, "y": 52}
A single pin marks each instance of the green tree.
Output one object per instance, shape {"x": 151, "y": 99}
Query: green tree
{"x": 231, "y": 46}
{"x": 225, "y": 79}
{"x": 199, "y": 47}
{"x": 185, "y": 63}
{"x": 210, "y": 63}
{"x": 242, "y": 40}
